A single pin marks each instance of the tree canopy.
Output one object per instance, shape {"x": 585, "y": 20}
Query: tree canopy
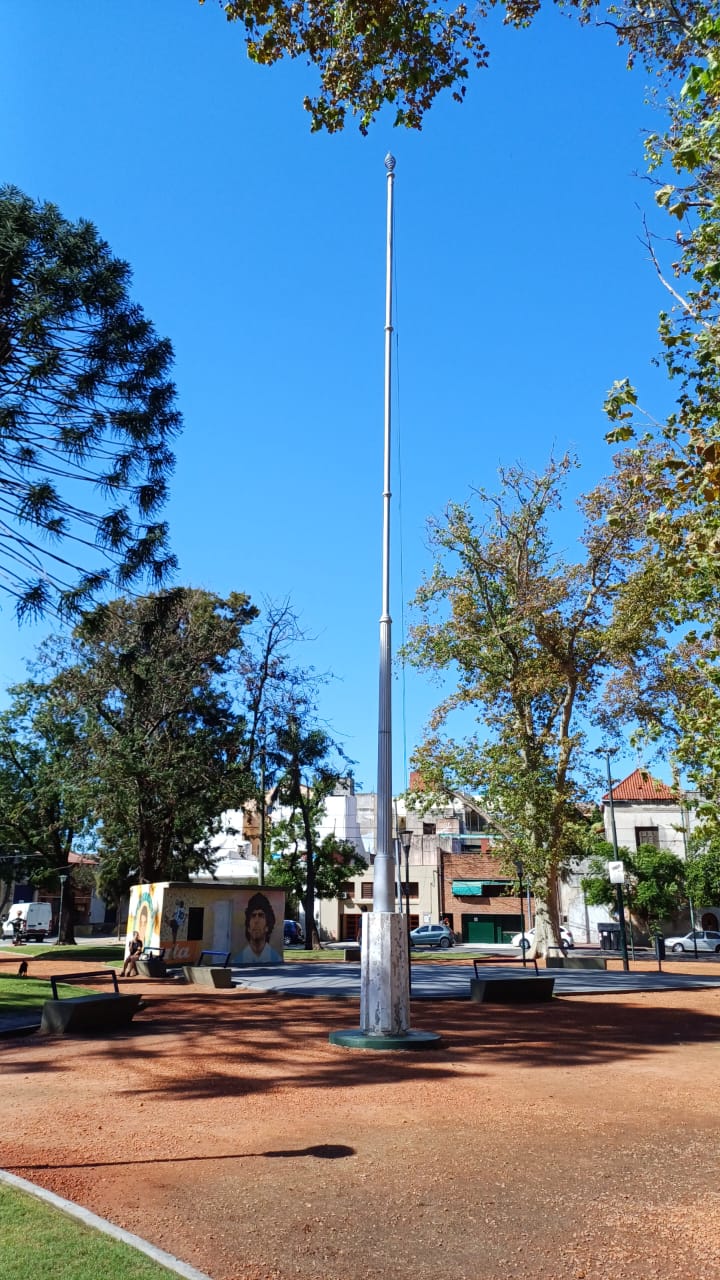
{"x": 310, "y": 765}
{"x": 656, "y": 880}
{"x": 87, "y": 414}
{"x": 370, "y": 54}
{"x": 529, "y": 640}
{"x": 160, "y": 741}
{"x": 44, "y": 806}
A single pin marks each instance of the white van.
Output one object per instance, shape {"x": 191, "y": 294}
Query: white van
{"x": 36, "y": 918}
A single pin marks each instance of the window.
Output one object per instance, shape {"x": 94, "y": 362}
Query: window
{"x": 428, "y": 828}
{"x": 412, "y": 887}
{"x": 366, "y": 890}
{"x": 195, "y": 924}
{"x": 472, "y": 821}
{"x": 647, "y": 835}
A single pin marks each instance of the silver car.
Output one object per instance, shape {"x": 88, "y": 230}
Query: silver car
{"x": 705, "y": 939}
{"x": 432, "y": 935}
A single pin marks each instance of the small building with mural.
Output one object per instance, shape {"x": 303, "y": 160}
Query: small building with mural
{"x": 185, "y": 919}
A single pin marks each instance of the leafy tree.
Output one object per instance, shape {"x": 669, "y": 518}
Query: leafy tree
{"x": 528, "y": 641}
{"x": 658, "y": 879}
{"x": 310, "y": 866}
{"x": 161, "y": 743}
{"x": 42, "y": 806}
{"x": 371, "y": 53}
{"x": 87, "y": 413}
{"x": 702, "y": 875}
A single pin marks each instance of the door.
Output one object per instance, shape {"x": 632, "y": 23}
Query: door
{"x": 482, "y": 930}
{"x": 222, "y": 920}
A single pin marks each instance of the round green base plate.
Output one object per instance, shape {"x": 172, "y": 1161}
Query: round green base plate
{"x": 412, "y": 1040}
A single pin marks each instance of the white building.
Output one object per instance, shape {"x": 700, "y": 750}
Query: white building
{"x": 236, "y": 862}
{"x": 647, "y": 811}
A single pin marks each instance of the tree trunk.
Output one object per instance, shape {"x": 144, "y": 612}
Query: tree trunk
{"x": 66, "y": 924}
{"x": 547, "y": 916}
{"x": 312, "y": 937}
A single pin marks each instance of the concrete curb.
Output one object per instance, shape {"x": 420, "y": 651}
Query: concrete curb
{"x": 108, "y": 1228}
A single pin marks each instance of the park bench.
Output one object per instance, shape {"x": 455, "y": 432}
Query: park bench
{"x": 151, "y": 963}
{"x": 101, "y": 1011}
{"x": 207, "y": 974}
{"x": 575, "y": 962}
{"x": 524, "y": 989}
{"x": 498, "y": 957}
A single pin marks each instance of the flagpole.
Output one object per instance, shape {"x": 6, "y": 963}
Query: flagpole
{"x": 384, "y": 960}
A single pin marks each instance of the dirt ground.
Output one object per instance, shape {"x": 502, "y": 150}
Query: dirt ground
{"x": 571, "y": 1141}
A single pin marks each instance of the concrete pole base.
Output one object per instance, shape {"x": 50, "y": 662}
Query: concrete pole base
{"x": 384, "y": 982}
{"x": 384, "y": 990}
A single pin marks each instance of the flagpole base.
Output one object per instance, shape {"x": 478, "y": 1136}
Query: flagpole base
{"x": 384, "y": 990}
{"x": 410, "y": 1041}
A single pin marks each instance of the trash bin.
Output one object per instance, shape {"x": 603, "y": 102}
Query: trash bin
{"x": 609, "y": 936}
{"x": 659, "y": 946}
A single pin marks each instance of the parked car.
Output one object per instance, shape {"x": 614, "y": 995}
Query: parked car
{"x": 432, "y": 935}
{"x": 292, "y": 933}
{"x": 527, "y": 938}
{"x": 706, "y": 939}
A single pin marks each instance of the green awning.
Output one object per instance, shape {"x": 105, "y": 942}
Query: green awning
{"x": 474, "y": 888}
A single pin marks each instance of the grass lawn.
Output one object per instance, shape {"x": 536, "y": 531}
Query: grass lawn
{"x": 109, "y": 954}
{"x": 28, "y": 995}
{"x": 38, "y": 1240}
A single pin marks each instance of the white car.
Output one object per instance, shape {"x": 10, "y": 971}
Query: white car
{"x": 527, "y": 938}
{"x": 706, "y": 940}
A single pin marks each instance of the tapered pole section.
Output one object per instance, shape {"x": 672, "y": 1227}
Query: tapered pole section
{"x": 384, "y": 971}
{"x": 383, "y": 880}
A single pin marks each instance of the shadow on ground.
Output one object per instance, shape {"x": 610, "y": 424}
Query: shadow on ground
{"x": 286, "y": 1040}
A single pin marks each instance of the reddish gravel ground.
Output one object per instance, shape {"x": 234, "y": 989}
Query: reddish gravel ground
{"x": 573, "y": 1141}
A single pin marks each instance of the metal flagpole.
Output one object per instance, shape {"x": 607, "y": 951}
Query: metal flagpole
{"x": 384, "y": 971}
{"x": 384, "y": 868}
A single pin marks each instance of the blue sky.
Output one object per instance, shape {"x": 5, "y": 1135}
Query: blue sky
{"x": 523, "y": 291}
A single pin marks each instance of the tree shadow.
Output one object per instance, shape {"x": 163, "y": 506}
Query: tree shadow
{"x": 204, "y": 1044}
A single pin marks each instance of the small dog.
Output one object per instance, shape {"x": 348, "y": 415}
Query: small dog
{"x": 22, "y": 971}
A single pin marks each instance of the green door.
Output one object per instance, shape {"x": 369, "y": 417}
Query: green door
{"x": 492, "y": 929}
{"x": 482, "y": 930}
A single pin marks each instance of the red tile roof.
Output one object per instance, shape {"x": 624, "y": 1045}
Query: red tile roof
{"x": 641, "y": 786}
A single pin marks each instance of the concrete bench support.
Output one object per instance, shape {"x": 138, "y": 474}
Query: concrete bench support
{"x": 83, "y": 1014}
{"x": 576, "y": 962}
{"x": 352, "y": 954}
{"x": 511, "y": 990}
{"x": 151, "y": 967}
{"x": 206, "y": 975}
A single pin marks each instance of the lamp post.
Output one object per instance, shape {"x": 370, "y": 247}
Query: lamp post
{"x": 519, "y": 868}
{"x": 618, "y": 877}
{"x": 683, "y": 811}
{"x": 62, "y": 880}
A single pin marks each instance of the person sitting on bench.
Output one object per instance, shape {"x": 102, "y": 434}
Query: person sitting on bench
{"x": 130, "y": 969}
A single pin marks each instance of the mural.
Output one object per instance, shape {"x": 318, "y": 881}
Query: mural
{"x": 186, "y": 919}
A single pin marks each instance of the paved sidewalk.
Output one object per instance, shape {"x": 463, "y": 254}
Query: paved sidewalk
{"x": 452, "y": 982}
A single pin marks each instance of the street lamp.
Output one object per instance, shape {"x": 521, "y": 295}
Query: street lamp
{"x": 686, "y": 849}
{"x": 62, "y": 880}
{"x": 519, "y": 868}
{"x": 617, "y": 877}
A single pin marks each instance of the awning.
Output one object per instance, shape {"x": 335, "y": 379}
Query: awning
{"x": 474, "y": 888}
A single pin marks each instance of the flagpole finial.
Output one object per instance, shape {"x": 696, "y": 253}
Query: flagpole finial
{"x": 389, "y": 162}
